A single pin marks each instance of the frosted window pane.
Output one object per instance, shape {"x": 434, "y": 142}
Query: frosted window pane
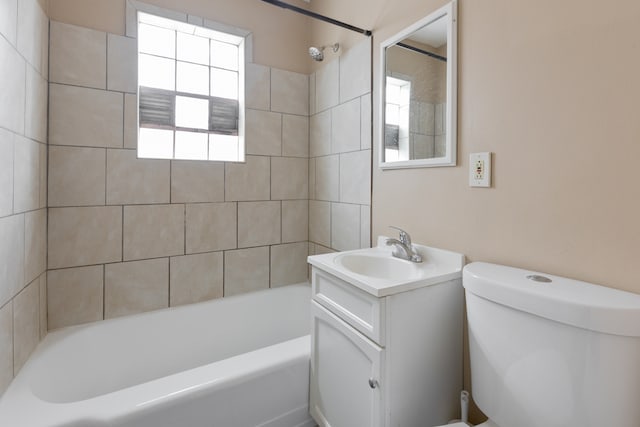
{"x": 223, "y": 148}
{"x": 156, "y": 72}
{"x": 193, "y": 48}
{"x": 391, "y": 155}
{"x": 224, "y": 84}
{"x": 393, "y": 93}
{"x": 392, "y": 115}
{"x": 192, "y": 112}
{"x": 224, "y": 55}
{"x": 155, "y": 143}
{"x": 192, "y": 78}
{"x": 157, "y": 41}
{"x": 191, "y": 145}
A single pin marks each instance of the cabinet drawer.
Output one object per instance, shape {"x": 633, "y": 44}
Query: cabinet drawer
{"x": 359, "y": 309}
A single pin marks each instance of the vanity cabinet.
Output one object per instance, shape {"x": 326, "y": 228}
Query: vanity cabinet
{"x": 385, "y": 358}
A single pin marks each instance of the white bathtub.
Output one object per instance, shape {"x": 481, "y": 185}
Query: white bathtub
{"x": 240, "y": 361}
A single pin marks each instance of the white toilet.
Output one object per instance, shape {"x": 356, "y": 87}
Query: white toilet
{"x": 548, "y": 351}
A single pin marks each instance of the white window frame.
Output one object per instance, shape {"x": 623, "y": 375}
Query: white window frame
{"x": 131, "y": 30}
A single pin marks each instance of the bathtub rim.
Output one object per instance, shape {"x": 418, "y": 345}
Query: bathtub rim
{"x": 19, "y": 400}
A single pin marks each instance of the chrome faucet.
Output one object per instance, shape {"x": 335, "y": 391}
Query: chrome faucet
{"x": 403, "y": 247}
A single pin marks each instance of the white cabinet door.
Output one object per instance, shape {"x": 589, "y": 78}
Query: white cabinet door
{"x": 346, "y": 374}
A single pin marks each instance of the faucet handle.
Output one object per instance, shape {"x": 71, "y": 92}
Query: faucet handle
{"x": 404, "y": 236}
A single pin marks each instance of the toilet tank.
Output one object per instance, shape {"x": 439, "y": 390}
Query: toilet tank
{"x": 558, "y": 353}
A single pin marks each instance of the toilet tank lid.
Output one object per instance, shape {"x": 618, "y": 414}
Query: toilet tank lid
{"x": 581, "y": 304}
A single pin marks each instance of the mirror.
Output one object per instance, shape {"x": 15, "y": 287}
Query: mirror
{"x": 418, "y": 93}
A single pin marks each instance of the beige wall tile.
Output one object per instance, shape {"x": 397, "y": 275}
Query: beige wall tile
{"x": 295, "y": 136}
{"x": 422, "y": 146}
{"x": 193, "y": 181}
{"x": 136, "y": 181}
{"x": 12, "y": 88}
{"x": 196, "y": 278}
{"x": 365, "y": 226}
{"x": 26, "y": 324}
{"x": 85, "y": 117}
{"x": 75, "y": 296}
{"x": 355, "y": 177}
{"x": 8, "y": 26}
{"x": 327, "y": 86}
{"x": 355, "y": 71}
{"x": 289, "y": 178}
{"x": 152, "y": 231}
{"x": 312, "y": 94}
{"x": 35, "y": 250}
{"x": 440, "y": 146}
{"x": 78, "y": 56}
{"x": 33, "y": 33}
{"x": 43, "y": 304}
{"x": 135, "y": 287}
{"x": 26, "y": 174}
{"x": 289, "y": 264}
{"x": 6, "y": 346}
{"x": 345, "y": 130}
{"x": 312, "y": 178}
{"x": 258, "y": 86}
{"x": 320, "y": 222}
{"x": 35, "y": 117}
{"x": 289, "y": 92}
{"x": 345, "y": 226}
{"x": 320, "y": 134}
{"x": 263, "y": 133}
{"x": 84, "y": 236}
{"x": 258, "y": 223}
{"x": 246, "y": 270}
{"x": 130, "y": 121}
{"x": 122, "y": 63}
{"x": 76, "y": 176}
{"x": 365, "y": 122}
{"x": 43, "y": 175}
{"x": 328, "y": 178}
{"x": 211, "y": 227}
{"x": 6, "y": 172}
{"x": 11, "y": 256}
{"x": 249, "y": 180}
{"x": 295, "y": 220}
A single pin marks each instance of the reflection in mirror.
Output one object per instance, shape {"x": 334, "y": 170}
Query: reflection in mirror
{"x": 418, "y": 87}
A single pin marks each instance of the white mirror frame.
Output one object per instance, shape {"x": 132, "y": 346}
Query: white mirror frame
{"x": 450, "y": 11}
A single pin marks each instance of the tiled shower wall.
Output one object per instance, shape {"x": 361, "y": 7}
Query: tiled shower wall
{"x": 340, "y": 153}
{"x": 23, "y": 198}
{"x": 128, "y": 235}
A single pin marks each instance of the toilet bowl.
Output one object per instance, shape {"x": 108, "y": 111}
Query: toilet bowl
{"x": 551, "y": 351}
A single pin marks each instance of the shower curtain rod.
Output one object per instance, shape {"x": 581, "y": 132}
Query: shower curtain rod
{"x": 424, "y": 52}
{"x": 318, "y": 16}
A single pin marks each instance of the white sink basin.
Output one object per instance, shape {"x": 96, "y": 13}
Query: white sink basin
{"x": 378, "y": 272}
{"x": 378, "y": 265}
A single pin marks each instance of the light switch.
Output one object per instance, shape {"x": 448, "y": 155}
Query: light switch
{"x": 480, "y": 170}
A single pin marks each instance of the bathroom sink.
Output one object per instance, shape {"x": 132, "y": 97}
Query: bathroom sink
{"x": 378, "y": 265}
{"x": 376, "y": 271}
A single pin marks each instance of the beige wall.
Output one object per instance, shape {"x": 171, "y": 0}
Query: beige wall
{"x": 280, "y": 36}
{"x": 561, "y": 122}
{"x": 23, "y": 174}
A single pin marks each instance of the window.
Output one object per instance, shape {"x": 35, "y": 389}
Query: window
{"x": 190, "y": 91}
{"x": 397, "y": 104}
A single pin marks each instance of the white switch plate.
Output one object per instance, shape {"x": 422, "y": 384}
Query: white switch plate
{"x": 480, "y": 170}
